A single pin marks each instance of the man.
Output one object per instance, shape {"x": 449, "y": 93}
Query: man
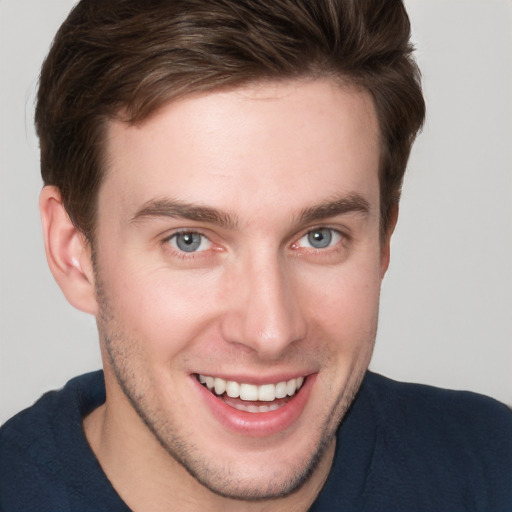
{"x": 222, "y": 182}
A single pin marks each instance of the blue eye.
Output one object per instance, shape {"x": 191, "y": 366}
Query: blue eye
{"x": 320, "y": 238}
{"x": 188, "y": 241}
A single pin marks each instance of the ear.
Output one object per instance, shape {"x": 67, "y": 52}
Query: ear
{"x": 68, "y": 252}
{"x": 386, "y": 243}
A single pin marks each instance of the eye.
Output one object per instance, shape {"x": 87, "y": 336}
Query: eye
{"x": 320, "y": 238}
{"x": 189, "y": 241}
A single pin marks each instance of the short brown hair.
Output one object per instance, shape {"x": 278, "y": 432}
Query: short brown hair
{"x": 133, "y": 56}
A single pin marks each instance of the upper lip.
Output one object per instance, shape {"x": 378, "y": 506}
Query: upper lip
{"x": 258, "y": 380}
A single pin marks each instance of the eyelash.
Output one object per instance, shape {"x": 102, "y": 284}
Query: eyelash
{"x": 167, "y": 241}
{"x": 333, "y": 233}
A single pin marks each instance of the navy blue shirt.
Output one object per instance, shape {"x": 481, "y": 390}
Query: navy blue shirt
{"x": 401, "y": 447}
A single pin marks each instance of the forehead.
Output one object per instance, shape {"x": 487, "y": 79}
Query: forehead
{"x": 283, "y": 143}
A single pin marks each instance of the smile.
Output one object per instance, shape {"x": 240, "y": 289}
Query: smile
{"x": 235, "y": 393}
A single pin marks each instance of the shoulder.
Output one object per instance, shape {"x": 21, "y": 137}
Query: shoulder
{"x": 35, "y": 444}
{"x": 453, "y": 443}
{"x": 35, "y": 426}
{"x": 422, "y": 406}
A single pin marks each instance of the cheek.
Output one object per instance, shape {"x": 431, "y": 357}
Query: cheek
{"x": 346, "y": 304}
{"x": 161, "y": 310}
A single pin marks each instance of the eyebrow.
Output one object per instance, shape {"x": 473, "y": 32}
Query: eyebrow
{"x": 181, "y": 210}
{"x": 352, "y": 203}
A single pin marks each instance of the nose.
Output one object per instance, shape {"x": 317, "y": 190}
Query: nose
{"x": 264, "y": 312}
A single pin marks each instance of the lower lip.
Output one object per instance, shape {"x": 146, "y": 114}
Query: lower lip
{"x": 258, "y": 424}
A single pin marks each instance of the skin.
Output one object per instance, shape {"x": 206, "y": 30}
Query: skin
{"x": 255, "y": 303}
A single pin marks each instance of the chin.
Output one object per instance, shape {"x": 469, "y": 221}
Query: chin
{"x": 240, "y": 479}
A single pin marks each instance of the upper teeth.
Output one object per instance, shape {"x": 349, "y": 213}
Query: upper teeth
{"x": 265, "y": 393}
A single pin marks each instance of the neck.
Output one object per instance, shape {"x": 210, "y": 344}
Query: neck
{"x": 146, "y": 477}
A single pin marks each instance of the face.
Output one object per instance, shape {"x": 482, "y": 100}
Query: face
{"x": 238, "y": 267}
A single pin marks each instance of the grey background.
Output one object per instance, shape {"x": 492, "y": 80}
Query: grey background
{"x": 446, "y": 314}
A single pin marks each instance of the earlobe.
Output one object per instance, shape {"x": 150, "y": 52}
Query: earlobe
{"x": 386, "y": 243}
{"x": 67, "y": 251}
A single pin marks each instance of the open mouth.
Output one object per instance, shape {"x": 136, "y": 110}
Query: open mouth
{"x": 251, "y": 397}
